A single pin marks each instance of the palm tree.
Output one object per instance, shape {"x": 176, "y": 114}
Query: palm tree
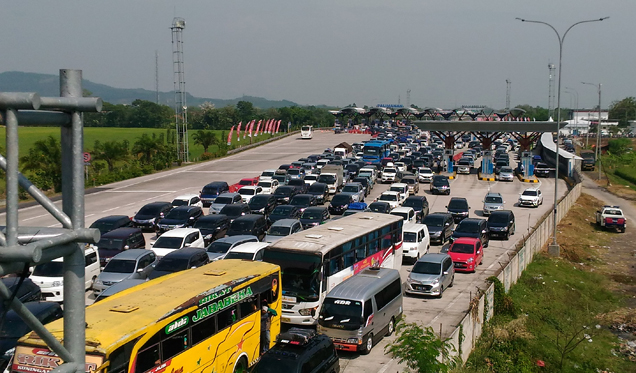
{"x": 205, "y": 139}
{"x": 111, "y": 152}
{"x": 45, "y": 163}
{"x": 147, "y": 147}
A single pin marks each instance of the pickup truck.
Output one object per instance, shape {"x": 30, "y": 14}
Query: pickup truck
{"x": 611, "y": 217}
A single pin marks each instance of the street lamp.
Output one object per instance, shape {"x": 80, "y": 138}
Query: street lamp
{"x": 576, "y": 111}
{"x": 554, "y": 248}
{"x": 598, "y": 128}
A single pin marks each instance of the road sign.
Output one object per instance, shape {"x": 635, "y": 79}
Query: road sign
{"x": 87, "y": 157}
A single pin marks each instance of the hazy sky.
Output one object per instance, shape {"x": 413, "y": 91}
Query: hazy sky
{"x": 448, "y": 53}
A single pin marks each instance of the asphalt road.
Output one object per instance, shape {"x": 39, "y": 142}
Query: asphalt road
{"x": 128, "y": 196}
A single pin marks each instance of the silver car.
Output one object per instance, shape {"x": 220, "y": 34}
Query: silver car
{"x": 506, "y": 174}
{"x": 492, "y": 202}
{"x": 129, "y": 264}
{"x": 224, "y": 199}
{"x": 431, "y": 275}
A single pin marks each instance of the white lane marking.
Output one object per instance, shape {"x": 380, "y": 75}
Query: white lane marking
{"x": 114, "y": 208}
{"x": 88, "y": 216}
{"x": 35, "y": 217}
{"x": 386, "y": 366}
{"x": 226, "y": 172}
{"x": 140, "y": 191}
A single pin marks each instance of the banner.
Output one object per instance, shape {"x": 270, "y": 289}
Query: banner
{"x": 251, "y": 127}
{"x": 278, "y": 125}
{"x": 269, "y": 126}
{"x": 258, "y": 126}
{"x": 238, "y": 131}
{"x": 229, "y": 136}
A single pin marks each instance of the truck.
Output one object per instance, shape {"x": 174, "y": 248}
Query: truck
{"x": 333, "y": 176}
{"x": 589, "y": 160}
{"x": 611, "y": 217}
{"x": 343, "y": 149}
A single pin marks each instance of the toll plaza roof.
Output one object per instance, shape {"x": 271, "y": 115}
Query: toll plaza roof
{"x": 487, "y": 126}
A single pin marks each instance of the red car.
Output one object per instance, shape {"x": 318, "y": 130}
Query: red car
{"x": 467, "y": 253}
{"x": 250, "y": 181}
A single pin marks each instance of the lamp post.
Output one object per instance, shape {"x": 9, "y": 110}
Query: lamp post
{"x": 554, "y": 248}
{"x": 576, "y": 110}
{"x": 598, "y": 128}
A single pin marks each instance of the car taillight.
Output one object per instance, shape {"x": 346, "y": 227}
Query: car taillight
{"x": 621, "y": 221}
{"x": 608, "y": 220}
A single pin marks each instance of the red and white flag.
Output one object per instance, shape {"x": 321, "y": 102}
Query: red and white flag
{"x": 229, "y": 136}
{"x": 278, "y": 125}
{"x": 258, "y": 126}
{"x": 238, "y": 131}
{"x": 269, "y": 128}
{"x": 251, "y": 127}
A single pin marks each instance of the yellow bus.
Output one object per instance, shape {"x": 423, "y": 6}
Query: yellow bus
{"x": 201, "y": 320}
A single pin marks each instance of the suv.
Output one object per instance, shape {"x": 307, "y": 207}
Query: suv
{"x": 176, "y": 239}
{"x": 150, "y": 213}
{"x": 224, "y": 199}
{"x": 472, "y": 227}
{"x": 262, "y": 204}
{"x": 440, "y": 185}
{"x": 212, "y": 190}
{"x": 255, "y": 225}
{"x": 431, "y": 274}
{"x": 180, "y": 260}
{"x": 179, "y": 217}
{"x": 117, "y": 241}
{"x": 492, "y": 202}
{"x": 440, "y": 226}
{"x": 212, "y": 227}
{"x": 501, "y": 224}
{"x": 130, "y": 264}
{"x": 300, "y": 350}
{"x": 531, "y": 197}
{"x": 458, "y": 207}
{"x": 187, "y": 200}
{"x": 111, "y": 222}
{"x": 419, "y": 204}
{"x": 217, "y": 249}
{"x": 320, "y": 190}
{"x": 357, "y": 190}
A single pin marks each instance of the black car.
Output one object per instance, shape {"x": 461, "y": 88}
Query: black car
{"x": 236, "y": 210}
{"x": 262, "y": 204}
{"x": 112, "y": 222}
{"x": 320, "y": 190}
{"x": 440, "y": 185}
{"x": 314, "y": 216}
{"x": 179, "y": 217}
{"x": 14, "y": 327}
{"x": 150, "y": 213}
{"x": 419, "y": 204}
{"x": 542, "y": 170}
{"x": 212, "y": 227}
{"x": 380, "y": 207}
{"x": 284, "y": 212}
{"x": 458, "y": 207}
{"x": 180, "y": 260}
{"x": 299, "y": 351}
{"x": 501, "y": 224}
{"x": 255, "y": 225}
{"x": 472, "y": 227}
{"x": 27, "y": 292}
{"x": 118, "y": 240}
{"x": 285, "y": 193}
{"x": 302, "y": 201}
{"x": 339, "y": 203}
{"x": 440, "y": 226}
{"x": 299, "y": 184}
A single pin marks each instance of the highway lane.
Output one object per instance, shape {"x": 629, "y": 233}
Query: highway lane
{"x": 126, "y": 197}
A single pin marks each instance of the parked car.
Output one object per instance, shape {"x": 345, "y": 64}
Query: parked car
{"x": 284, "y": 212}
{"x": 176, "y": 239}
{"x": 111, "y": 222}
{"x": 406, "y": 213}
{"x": 285, "y": 193}
{"x": 263, "y": 204}
{"x": 440, "y": 185}
{"x": 299, "y": 184}
{"x": 117, "y": 241}
{"x": 187, "y": 200}
{"x": 458, "y": 207}
{"x": 381, "y": 207}
{"x": 130, "y": 264}
{"x": 419, "y": 204}
{"x": 179, "y": 217}
{"x": 431, "y": 275}
{"x": 413, "y": 184}
{"x": 393, "y": 198}
{"x": 314, "y": 216}
{"x": 282, "y": 228}
{"x": 492, "y": 202}
{"x": 268, "y": 186}
{"x": 531, "y": 197}
{"x": 235, "y": 210}
{"x": 401, "y": 188}
{"x": 320, "y": 190}
{"x": 180, "y": 260}
{"x": 440, "y": 226}
{"x": 224, "y": 199}
{"x": 247, "y": 251}
{"x": 217, "y": 249}
{"x": 467, "y": 254}
{"x": 212, "y": 190}
{"x": 266, "y": 175}
{"x": 118, "y": 287}
{"x": 501, "y": 224}
{"x": 356, "y": 190}
{"x": 303, "y": 201}
{"x": 212, "y": 227}
{"x": 247, "y": 192}
{"x": 340, "y": 202}
{"x": 255, "y": 225}
{"x": 150, "y": 213}
{"x": 28, "y": 290}
{"x": 472, "y": 228}
{"x": 416, "y": 241}
{"x": 248, "y": 181}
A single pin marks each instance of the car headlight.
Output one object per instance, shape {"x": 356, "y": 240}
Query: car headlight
{"x": 350, "y": 340}
{"x": 435, "y": 282}
{"x": 58, "y": 283}
{"x": 10, "y": 352}
{"x": 307, "y": 311}
{"x": 470, "y": 260}
{"x": 262, "y": 210}
{"x": 435, "y": 234}
{"x": 98, "y": 282}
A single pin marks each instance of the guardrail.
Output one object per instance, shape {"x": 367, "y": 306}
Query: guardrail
{"x": 250, "y": 146}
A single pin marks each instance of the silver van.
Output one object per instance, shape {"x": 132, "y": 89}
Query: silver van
{"x": 360, "y": 311}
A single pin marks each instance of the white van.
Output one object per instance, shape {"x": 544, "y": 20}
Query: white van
{"x": 416, "y": 241}
{"x": 50, "y": 276}
{"x": 247, "y": 251}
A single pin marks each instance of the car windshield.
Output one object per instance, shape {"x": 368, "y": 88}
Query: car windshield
{"x": 247, "y": 191}
{"x": 346, "y": 314}
{"x": 265, "y": 184}
{"x": 433, "y": 221}
{"x": 50, "y": 269}
{"x": 312, "y": 214}
{"x": 283, "y": 210}
{"x": 506, "y": 170}
{"x": 267, "y": 173}
{"x": 340, "y": 199}
{"x": 409, "y": 181}
{"x": 259, "y": 203}
{"x": 223, "y": 200}
{"x": 498, "y": 218}
{"x": 464, "y": 162}
{"x": 389, "y": 171}
{"x": 457, "y": 204}
{"x": 103, "y": 226}
{"x": 300, "y": 273}
{"x": 462, "y": 248}
{"x": 467, "y": 227}
{"x": 300, "y": 201}
{"x": 149, "y": 210}
{"x": 110, "y": 243}
{"x": 440, "y": 182}
{"x": 377, "y": 207}
{"x": 178, "y": 214}
{"x": 327, "y": 179}
{"x": 218, "y": 247}
{"x": 293, "y": 171}
{"x": 278, "y": 231}
{"x": 243, "y": 256}
{"x": 532, "y": 193}
{"x": 427, "y": 268}
{"x": 410, "y": 237}
{"x": 403, "y": 215}
{"x": 350, "y": 189}
{"x": 172, "y": 264}
{"x": 246, "y": 182}
{"x": 207, "y": 223}
{"x": 120, "y": 266}
{"x": 180, "y": 202}
{"x": 388, "y": 197}
{"x": 168, "y": 242}
{"x": 416, "y": 204}
{"x": 397, "y": 189}
{"x": 492, "y": 199}
{"x": 613, "y": 212}
{"x": 232, "y": 210}
{"x": 311, "y": 177}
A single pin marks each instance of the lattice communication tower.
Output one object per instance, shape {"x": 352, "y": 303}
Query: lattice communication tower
{"x": 180, "y": 105}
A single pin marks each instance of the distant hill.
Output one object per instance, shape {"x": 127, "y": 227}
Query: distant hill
{"x": 49, "y": 85}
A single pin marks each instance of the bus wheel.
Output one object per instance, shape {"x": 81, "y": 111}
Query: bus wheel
{"x": 241, "y": 366}
{"x": 391, "y": 327}
{"x": 368, "y": 345}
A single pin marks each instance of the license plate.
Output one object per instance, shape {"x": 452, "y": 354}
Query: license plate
{"x": 285, "y": 319}
{"x": 289, "y": 299}
{"x": 458, "y": 265}
{"x": 336, "y": 345}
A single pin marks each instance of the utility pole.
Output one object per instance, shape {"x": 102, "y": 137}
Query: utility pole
{"x": 508, "y": 82}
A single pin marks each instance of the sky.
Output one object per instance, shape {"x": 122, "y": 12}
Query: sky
{"x": 335, "y": 52}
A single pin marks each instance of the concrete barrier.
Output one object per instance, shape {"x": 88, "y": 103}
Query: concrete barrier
{"x": 250, "y": 146}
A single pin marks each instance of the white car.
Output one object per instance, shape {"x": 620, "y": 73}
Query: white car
{"x": 401, "y": 188}
{"x": 311, "y": 178}
{"x": 406, "y": 213}
{"x": 389, "y": 174}
{"x": 247, "y": 251}
{"x": 247, "y": 192}
{"x": 187, "y": 200}
{"x": 393, "y": 198}
{"x": 176, "y": 239}
{"x": 416, "y": 241}
{"x": 268, "y": 186}
{"x": 401, "y": 166}
{"x": 531, "y": 197}
{"x": 266, "y": 175}
{"x": 425, "y": 175}
{"x": 372, "y": 170}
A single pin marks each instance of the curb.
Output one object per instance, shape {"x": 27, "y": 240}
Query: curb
{"x": 485, "y": 178}
{"x": 533, "y": 180}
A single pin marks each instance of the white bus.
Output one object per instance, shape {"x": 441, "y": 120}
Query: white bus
{"x": 306, "y": 132}
{"x": 314, "y": 261}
